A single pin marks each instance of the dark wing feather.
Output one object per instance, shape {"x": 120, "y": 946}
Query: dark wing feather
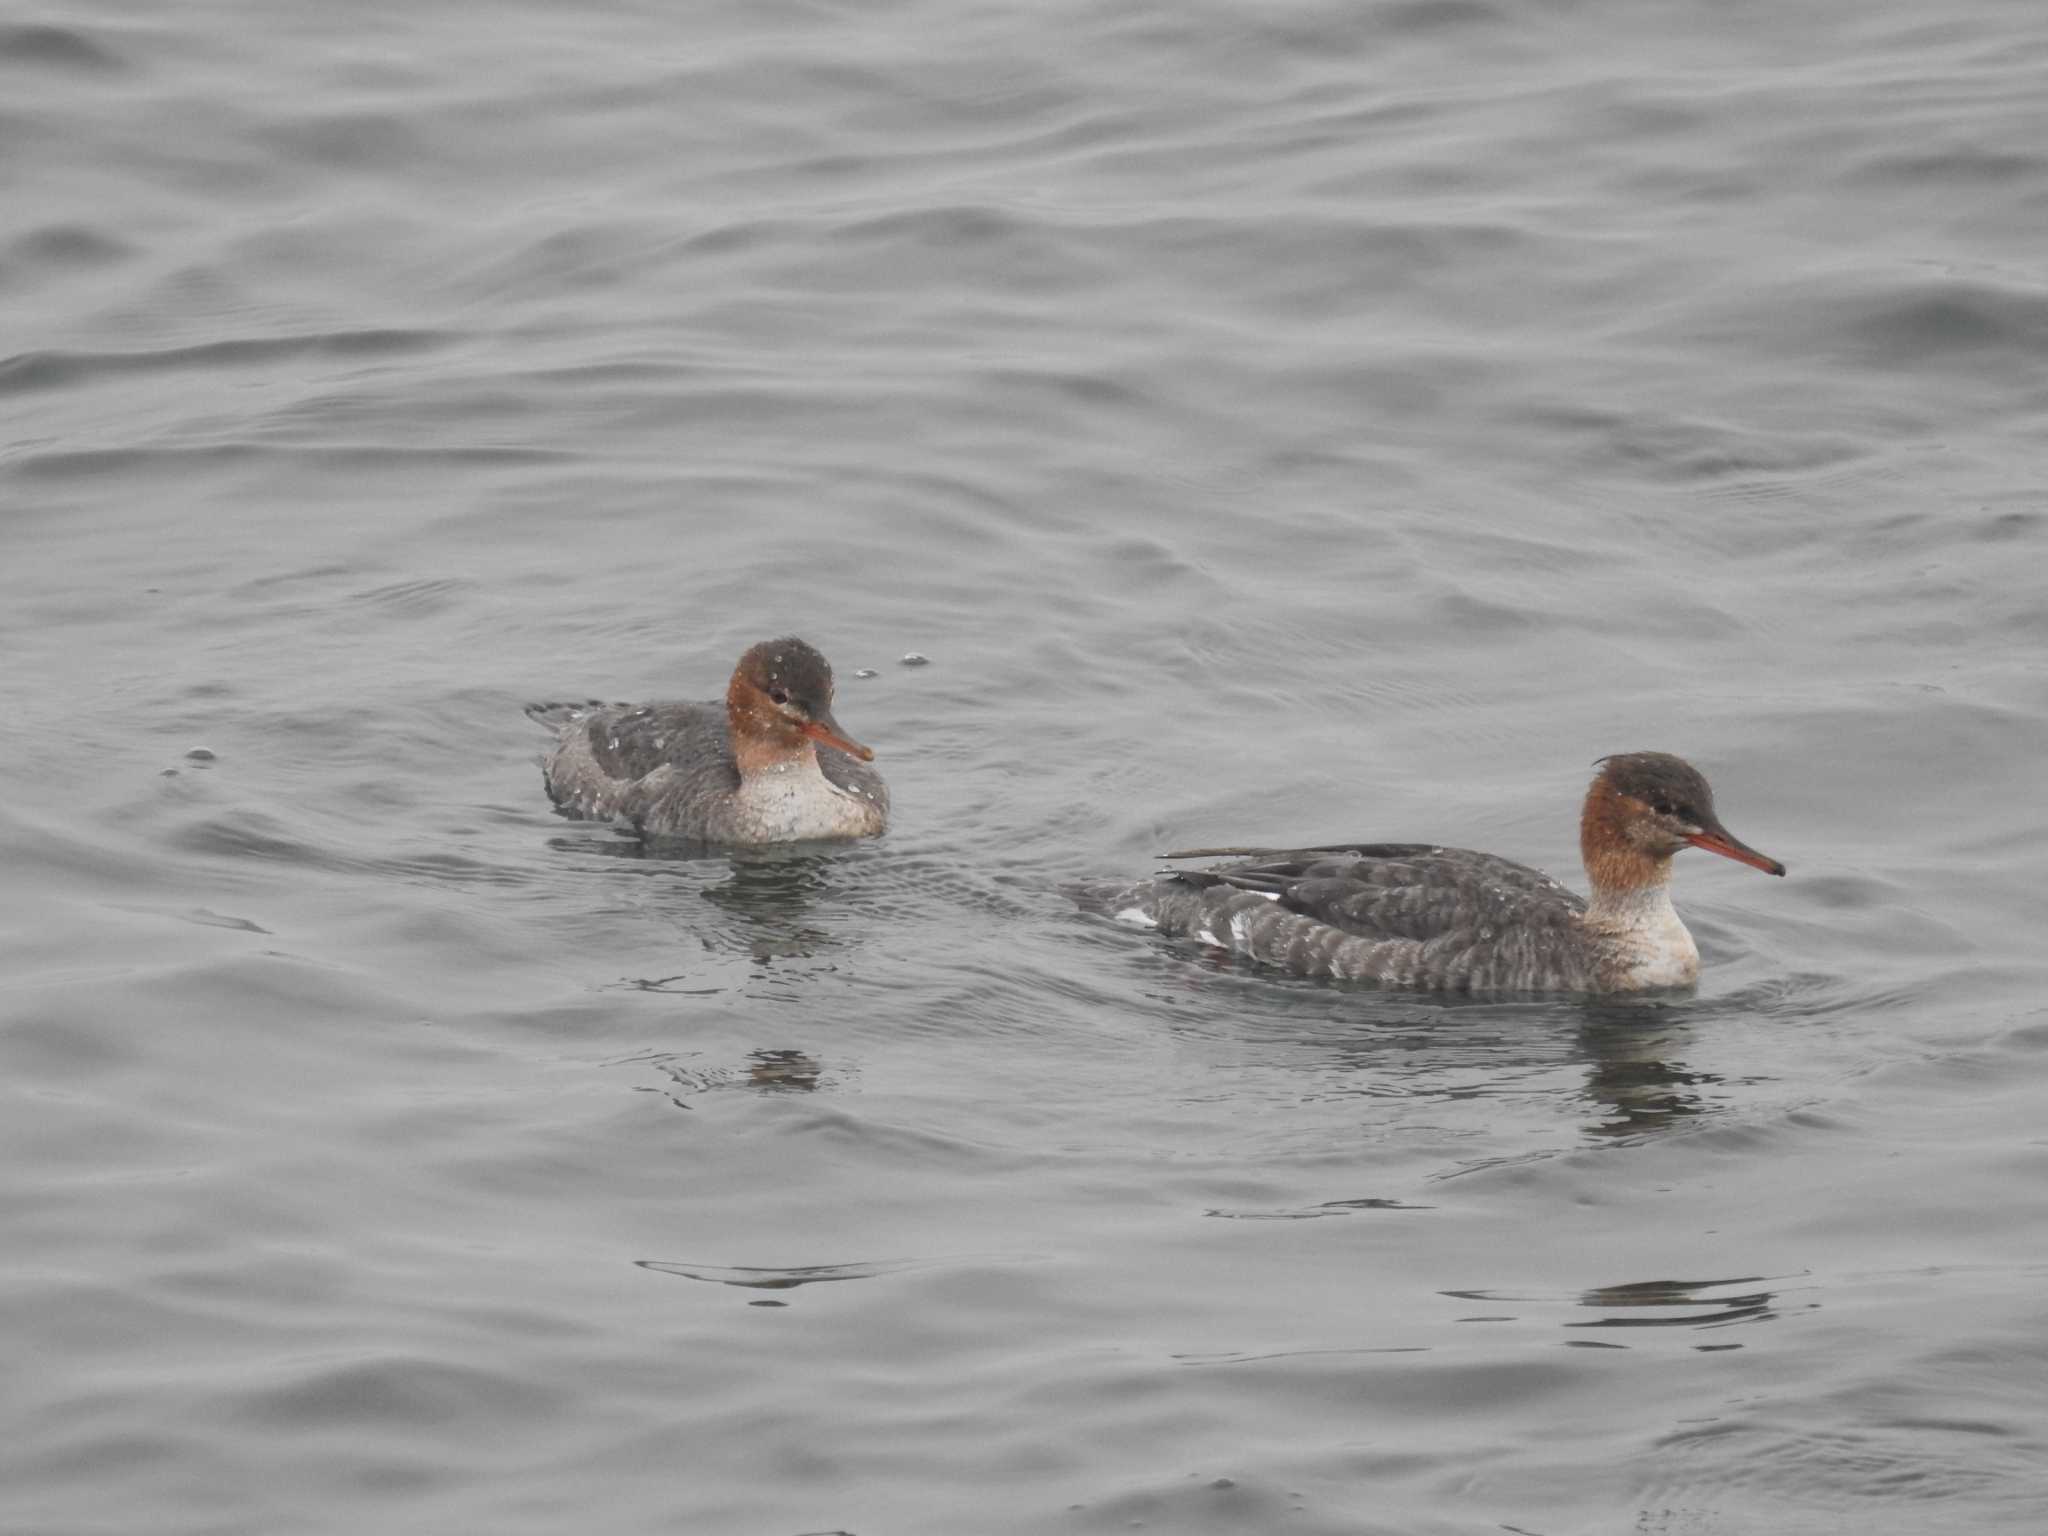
{"x": 604, "y": 755}
{"x": 1371, "y": 850}
{"x": 630, "y": 743}
{"x": 1401, "y": 890}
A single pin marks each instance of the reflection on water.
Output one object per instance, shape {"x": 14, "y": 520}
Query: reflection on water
{"x": 1624, "y": 1066}
{"x": 755, "y": 1277}
{"x": 1646, "y": 1304}
{"x": 772, "y": 891}
{"x": 783, "y": 1071}
{"x": 772, "y": 884}
{"x": 1322, "y": 1208}
{"x": 1635, "y": 1074}
{"x": 766, "y": 1071}
{"x": 1678, "y": 1303}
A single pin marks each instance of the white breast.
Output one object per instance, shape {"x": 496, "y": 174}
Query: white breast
{"x": 1653, "y": 947}
{"x": 795, "y": 800}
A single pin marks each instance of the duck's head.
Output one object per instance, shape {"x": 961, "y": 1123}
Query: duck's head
{"x": 781, "y": 696}
{"x": 1643, "y": 807}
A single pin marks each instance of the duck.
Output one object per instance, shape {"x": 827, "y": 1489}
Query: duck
{"x": 1426, "y": 917}
{"x": 770, "y": 763}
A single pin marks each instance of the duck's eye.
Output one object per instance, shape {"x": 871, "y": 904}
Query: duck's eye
{"x": 778, "y": 695}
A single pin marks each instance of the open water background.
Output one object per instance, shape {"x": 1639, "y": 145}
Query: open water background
{"x": 1276, "y": 423}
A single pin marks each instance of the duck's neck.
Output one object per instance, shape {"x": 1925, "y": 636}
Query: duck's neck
{"x": 758, "y": 755}
{"x": 763, "y": 742}
{"x": 1637, "y": 896}
{"x": 1638, "y": 935}
{"x": 1631, "y": 886}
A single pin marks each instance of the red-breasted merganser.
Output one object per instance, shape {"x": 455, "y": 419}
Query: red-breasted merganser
{"x": 769, "y": 765}
{"x": 1452, "y": 920}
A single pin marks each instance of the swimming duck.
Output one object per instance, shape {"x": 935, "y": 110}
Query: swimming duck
{"x": 768, "y": 765}
{"x": 1422, "y": 916}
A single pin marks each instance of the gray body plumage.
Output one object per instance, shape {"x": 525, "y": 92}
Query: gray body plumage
{"x": 668, "y": 771}
{"x": 1453, "y": 920}
{"x": 1403, "y": 914}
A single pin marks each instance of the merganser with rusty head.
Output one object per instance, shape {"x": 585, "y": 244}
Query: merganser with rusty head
{"x": 1452, "y": 920}
{"x": 768, "y": 765}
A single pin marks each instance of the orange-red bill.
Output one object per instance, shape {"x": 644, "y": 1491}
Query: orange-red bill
{"x": 827, "y": 731}
{"x": 1718, "y": 840}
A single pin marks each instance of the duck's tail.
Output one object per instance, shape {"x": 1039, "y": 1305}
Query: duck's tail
{"x": 555, "y": 716}
{"x": 1127, "y": 900}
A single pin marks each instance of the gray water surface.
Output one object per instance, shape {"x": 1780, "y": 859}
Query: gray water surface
{"x": 1276, "y": 424}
